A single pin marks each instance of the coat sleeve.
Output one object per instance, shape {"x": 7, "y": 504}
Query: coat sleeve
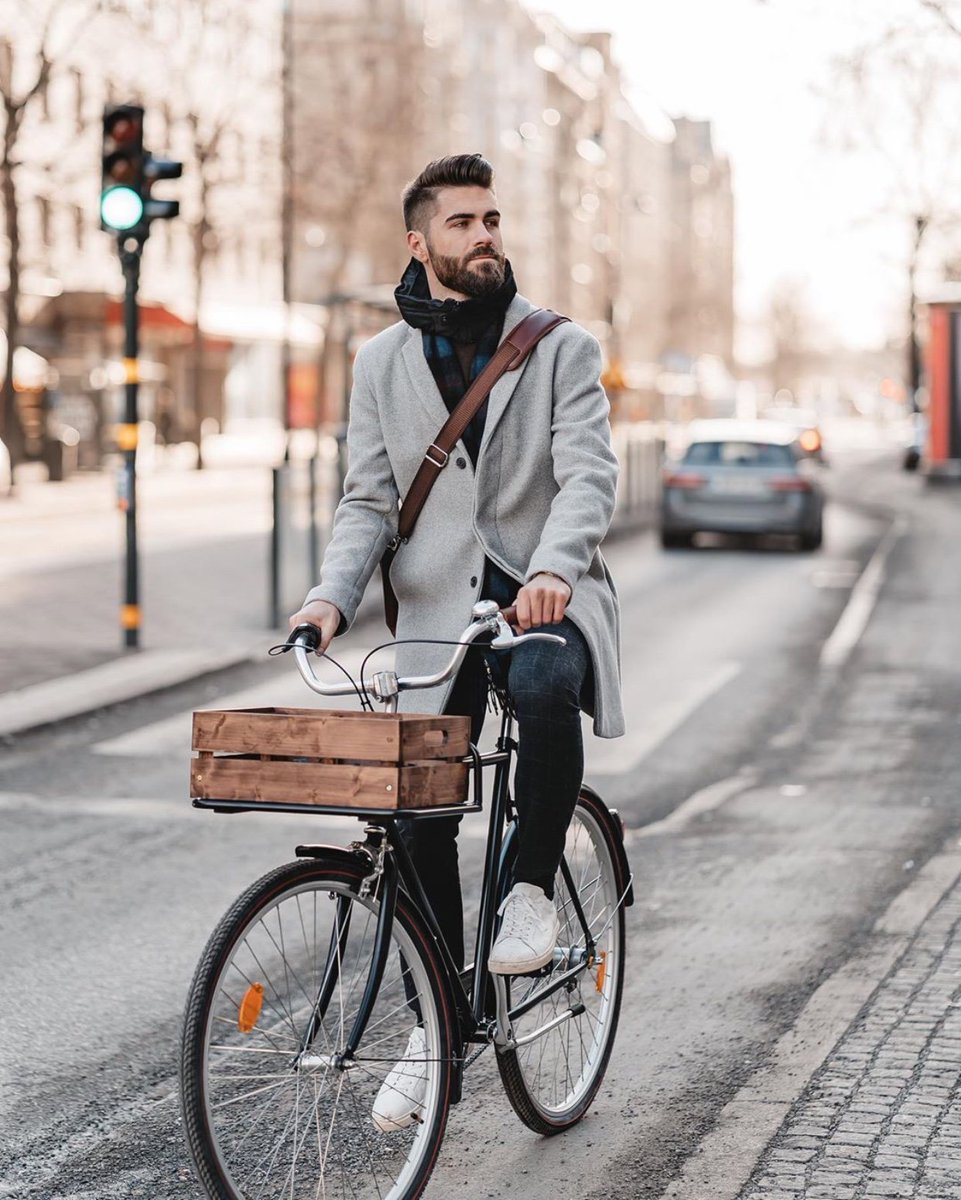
{"x": 366, "y": 517}
{"x": 584, "y": 465}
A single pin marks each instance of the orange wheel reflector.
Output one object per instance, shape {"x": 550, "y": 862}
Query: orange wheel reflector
{"x": 249, "y": 1012}
{"x": 601, "y": 971}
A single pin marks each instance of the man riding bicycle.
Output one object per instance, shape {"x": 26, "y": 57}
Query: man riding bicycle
{"x": 516, "y": 516}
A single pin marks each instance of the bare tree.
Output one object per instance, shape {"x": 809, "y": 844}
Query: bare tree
{"x": 795, "y": 340}
{"x": 214, "y": 68}
{"x": 35, "y": 41}
{"x": 949, "y": 15}
{"x": 896, "y": 97}
{"x": 357, "y": 98}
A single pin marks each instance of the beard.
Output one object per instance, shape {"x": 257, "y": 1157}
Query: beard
{"x": 476, "y": 281}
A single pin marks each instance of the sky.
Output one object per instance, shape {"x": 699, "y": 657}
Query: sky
{"x": 807, "y": 215}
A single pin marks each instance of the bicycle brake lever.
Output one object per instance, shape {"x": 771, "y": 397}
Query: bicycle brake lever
{"x": 540, "y": 637}
{"x": 506, "y": 638}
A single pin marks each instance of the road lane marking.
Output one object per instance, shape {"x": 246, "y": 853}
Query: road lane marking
{"x": 864, "y": 596}
{"x": 159, "y": 808}
{"x": 171, "y": 735}
{"x": 618, "y": 756}
{"x": 703, "y": 801}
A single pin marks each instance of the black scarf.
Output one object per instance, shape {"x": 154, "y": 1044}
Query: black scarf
{"x": 459, "y": 320}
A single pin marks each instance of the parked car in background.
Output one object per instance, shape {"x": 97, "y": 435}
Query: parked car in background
{"x": 806, "y": 426}
{"x": 742, "y": 477}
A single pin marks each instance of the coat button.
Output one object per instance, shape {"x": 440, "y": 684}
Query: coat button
{"x": 473, "y": 581}
{"x": 461, "y": 462}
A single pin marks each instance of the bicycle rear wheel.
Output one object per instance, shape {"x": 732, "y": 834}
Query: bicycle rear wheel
{"x": 265, "y": 1121}
{"x": 552, "y": 1079}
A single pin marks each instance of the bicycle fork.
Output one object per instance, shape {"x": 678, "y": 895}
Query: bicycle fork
{"x": 383, "y": 877}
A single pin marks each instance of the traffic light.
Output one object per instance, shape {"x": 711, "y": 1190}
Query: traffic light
{"x": 128, "y": 173}
{"x": 156, "y": 170}
{"x": 122, "y": 168}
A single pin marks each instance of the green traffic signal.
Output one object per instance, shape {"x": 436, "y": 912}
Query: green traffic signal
{"x": 121, "y": 208}
{"x": 128, "y": 172}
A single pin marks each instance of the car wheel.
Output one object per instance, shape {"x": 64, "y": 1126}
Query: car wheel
{"x": 812, "y": 540}
{"x": 674, "y": 541}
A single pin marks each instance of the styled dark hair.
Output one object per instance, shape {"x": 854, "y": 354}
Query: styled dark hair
{"x": 456, "y": 170}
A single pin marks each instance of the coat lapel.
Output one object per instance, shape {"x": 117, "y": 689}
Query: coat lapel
{"x": 422, "y": 379}
{"x": 502, "y": 391}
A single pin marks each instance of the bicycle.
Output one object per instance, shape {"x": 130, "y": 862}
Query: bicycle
{"x": 308, "y": 988}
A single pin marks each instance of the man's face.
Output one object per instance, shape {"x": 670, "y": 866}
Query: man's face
{"x": 462, "y": 249}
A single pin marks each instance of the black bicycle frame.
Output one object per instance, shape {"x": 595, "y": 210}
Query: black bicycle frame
{"x": 396, "y": 868}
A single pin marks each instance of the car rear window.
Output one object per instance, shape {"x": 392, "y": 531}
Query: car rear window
{"x": 738, "y": 454}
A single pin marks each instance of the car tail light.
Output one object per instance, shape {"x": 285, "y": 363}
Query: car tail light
{"x": 810, "y": 441}
{"x": 676, "y": 479}
{"x": 789, "y": 483}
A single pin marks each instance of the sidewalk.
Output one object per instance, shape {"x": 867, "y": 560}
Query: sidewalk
{"x": 882, "y": 1116}
{"x": 204, "y": 546}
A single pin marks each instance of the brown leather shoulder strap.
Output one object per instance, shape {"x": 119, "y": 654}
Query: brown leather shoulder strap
{"x": 510, "y": 354}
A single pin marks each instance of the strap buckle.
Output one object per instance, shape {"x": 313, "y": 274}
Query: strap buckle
{"x": 427, "y": 455}
{"x": 395, "y": 543}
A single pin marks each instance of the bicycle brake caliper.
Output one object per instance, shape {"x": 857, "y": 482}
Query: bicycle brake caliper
{"x": 376, "y": 853}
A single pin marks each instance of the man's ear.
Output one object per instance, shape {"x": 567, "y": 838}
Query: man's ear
{"x": 418, "y": 245}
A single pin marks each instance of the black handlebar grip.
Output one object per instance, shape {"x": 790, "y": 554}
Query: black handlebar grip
{"x": 308, "y": 635}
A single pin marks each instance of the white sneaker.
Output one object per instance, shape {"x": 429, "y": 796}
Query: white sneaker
{"x": 528, "y": 932}
{"x": 400, "y": 1101}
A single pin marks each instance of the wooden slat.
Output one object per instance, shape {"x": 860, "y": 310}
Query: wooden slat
{"x": 325, "y": 733}
{"x": 425, "y": 785}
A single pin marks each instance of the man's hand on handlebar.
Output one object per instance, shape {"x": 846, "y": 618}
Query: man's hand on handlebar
{"x": 541, "y": 601}
{"x": 323, "y": 615}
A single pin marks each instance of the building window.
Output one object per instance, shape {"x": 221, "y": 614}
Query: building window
{"x": 79, "y": 226}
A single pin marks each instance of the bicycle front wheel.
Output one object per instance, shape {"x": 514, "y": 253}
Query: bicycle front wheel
{"x": 564, "y": 1037}
{"x": 271, "y": 1111}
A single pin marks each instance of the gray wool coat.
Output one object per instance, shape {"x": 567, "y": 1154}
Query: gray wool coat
{"x": 541, "y": 499}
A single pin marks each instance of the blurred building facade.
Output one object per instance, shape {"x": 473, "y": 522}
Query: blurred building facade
{"x": 613, "y": 213}
{"x": 71, "y": 281}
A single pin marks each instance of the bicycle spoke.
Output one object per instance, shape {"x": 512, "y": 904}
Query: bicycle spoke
{"x": 285, "y": 1133}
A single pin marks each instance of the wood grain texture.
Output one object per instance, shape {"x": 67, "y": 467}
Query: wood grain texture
{"x": 325, "y": 733}
{"x": 422, "y": 785}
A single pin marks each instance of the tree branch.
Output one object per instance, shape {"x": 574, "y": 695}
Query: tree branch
{"x": 939, "y": 9}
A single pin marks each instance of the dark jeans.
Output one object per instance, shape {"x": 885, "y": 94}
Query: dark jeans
{"x": 548, "y": 684}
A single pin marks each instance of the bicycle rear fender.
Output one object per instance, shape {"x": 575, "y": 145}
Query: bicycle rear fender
{"x": 321, "y": 850}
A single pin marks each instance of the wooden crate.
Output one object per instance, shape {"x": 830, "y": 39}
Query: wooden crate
{"x": 329, "y": 758}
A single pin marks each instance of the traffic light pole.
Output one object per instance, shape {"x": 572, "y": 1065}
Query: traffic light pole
{"x": 127, "y": 438}
{"x": 128, "y": 172}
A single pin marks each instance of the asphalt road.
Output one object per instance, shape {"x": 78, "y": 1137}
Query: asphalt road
{"x": 774, "y": 805}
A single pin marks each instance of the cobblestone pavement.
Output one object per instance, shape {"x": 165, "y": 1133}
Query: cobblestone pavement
{"x": 882, "y": 1117}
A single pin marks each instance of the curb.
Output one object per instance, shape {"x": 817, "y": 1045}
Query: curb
{"x": 109, "y": 684}
{"x": 723, "y": 1161}
{"x": 143, "y": 673}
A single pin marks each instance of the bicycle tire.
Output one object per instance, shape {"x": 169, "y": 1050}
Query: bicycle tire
{"x": 210, "y": 1102}
{"x": 523, "y": 1074}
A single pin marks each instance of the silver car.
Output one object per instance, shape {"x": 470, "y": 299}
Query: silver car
{"x": 741, "y": 477}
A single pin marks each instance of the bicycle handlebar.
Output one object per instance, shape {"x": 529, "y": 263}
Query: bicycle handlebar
{"x": 385, "y": 685}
